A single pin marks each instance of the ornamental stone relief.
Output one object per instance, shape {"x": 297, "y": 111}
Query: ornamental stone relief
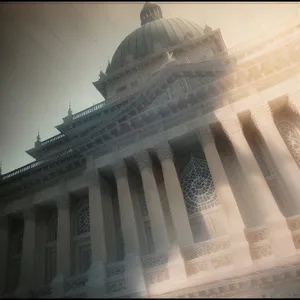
{"x": 178, "y": 88}
{"x": 257, "y": 235}
{"x": 291, "y": 137}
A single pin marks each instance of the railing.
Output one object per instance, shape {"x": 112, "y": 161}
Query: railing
{"x": 115, "y": 285}
{"x": 44, "y": 291}
{"x": 52, "y": 139}
{"x": 35, "y": 164}
{"x": 75, "y": 283}
{"x": 89, "y": 110}
{"x": 115, "y": 269}
{"x": 157, "y": 274}
{"x": 206, "y": 248}
{"x": 209, "y": 262}
{"x": 154, "y": 259}
{"x": 230, "y": 78}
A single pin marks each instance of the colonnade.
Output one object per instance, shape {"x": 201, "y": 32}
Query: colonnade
{"x": 260, "y": 233}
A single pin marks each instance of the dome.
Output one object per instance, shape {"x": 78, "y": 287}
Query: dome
{"x": 156, "y": 34}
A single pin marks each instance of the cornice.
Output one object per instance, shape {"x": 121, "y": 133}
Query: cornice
{"x": 201, "y": 100}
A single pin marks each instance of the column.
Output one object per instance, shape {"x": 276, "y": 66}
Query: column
{"x": 4, "y": 242}
{"x": 183, "y": 232}
{"x": 239, "y": 245}
{"x": 180, "y": 219}
{"x": 284, "y": 163}
{"x": 40, "y": 253}
{"x": 128, "y": 223}
{"x": 156, "y": 214}
{"x": 133, "y": 266}
{"x": 96, "y": 276}
{"x": 268, "y": 230}
{"x": 63, "y": 242}
{"x": 26, "y": 283}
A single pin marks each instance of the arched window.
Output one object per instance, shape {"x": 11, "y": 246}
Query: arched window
{"x": 197, "y": 186}
{"x": 291, "y": 136}
{"x": 81, "y": 238}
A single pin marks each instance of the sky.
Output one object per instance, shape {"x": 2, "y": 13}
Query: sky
{"x": 50, "y": 53}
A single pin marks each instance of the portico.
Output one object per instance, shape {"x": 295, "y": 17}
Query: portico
{"x": 191, "y": 178}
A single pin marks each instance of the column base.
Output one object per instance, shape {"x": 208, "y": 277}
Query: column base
{"x": 176, "y": 265}
{"x": 95, "y": 285}
{"x": 22, "y": 292}
{"x": 241, "y": 256}
{"x": 57, "y": 286}
{"x": 293, "y": 223}
{"x": 281, "y": 239}
{"x": 134, "y": 275}
{"x": 259, "y": 242}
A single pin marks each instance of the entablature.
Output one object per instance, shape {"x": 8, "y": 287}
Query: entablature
{"x": 143, "y": 118}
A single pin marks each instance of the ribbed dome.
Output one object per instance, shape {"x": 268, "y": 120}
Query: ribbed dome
{"x": 149, "y": 38}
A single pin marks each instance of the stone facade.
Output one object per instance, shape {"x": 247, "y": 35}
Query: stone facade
{"x": 186, "y": 186}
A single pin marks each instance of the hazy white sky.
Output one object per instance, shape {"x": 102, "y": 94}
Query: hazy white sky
{"x": 50, "y": 53}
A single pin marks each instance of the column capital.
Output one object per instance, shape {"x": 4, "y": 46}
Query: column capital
{"x": 143, "y": 160}
{"x": 63, "y": 202}
{"x": 205, "y": 135}
{"x": 231, "y": 125}
{"x": 119, "y": 169}
{"x": 29, "y": 213}
{"x": 92, "y": 176}
{"x": 261, "y": 115}
{"x": 293, "y": 103}
{"x": 164, "y": 151}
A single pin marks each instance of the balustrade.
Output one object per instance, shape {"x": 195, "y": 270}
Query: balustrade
{"x": 206, "y": 248}
{"x": 154, "y": 260}
{"x": 115, "y": 285}
{"x": 52, "y": 139}
{"x": 157, "y": 274}
{"x": 75, "y": 283}
{"x": 44, "y": 291}
{"x": 115, "y": 269}
{"x": 290, "y": 54}
{"x": 89, "y": 110}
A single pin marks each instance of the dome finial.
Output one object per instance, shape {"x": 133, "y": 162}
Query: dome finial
{"x": 150, "y": 12}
